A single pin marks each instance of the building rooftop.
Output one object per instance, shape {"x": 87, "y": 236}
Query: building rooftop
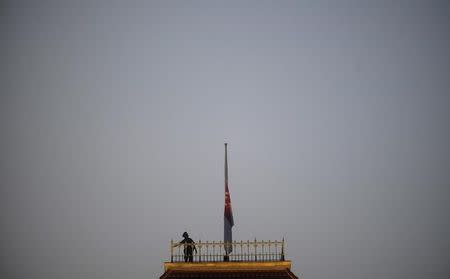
{"x": 249, "y": 259}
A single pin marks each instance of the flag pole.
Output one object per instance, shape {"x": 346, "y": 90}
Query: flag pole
{"x": 226, "y": 258}
{"x": 226, "y": 166}
{"x": 228, "y": 214}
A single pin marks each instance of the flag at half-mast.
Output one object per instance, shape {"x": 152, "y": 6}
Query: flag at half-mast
{"x": 228, "y": 213}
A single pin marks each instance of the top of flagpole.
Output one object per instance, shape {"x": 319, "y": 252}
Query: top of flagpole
{"x": 226, "y": 168}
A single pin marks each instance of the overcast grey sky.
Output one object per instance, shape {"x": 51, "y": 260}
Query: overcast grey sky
{"x": 114, "y": 114}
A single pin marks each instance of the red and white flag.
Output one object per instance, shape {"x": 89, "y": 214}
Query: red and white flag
{"x": 228, "y": 213}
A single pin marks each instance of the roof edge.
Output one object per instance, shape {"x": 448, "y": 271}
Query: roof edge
{"x": 228, "y": 266}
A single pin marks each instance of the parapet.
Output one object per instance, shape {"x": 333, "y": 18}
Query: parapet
{"x": 248, "y": 259}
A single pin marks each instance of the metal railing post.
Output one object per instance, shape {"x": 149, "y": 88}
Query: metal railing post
{"x": 262, "y": 251}
{"x": 199, "y": 250}
{"x": 256, "y": 257}
{"x": 214, "y": 251}
{"x": 276, "y": 249}
{"x": 171, "y": 250}
{"x": 242, "y": 253}
{"x": 248, "y": 250}
{"x": 207, "y": 251}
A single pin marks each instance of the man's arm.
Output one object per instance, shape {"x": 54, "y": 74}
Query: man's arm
{"x": 193, "y": 245}
{"x": 179, "y": 243}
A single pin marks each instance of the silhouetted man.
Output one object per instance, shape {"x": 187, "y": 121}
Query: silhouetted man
{"x": 189, "y": 245}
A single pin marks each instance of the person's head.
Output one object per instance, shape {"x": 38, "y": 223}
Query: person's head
{"x": 185, "y": 235}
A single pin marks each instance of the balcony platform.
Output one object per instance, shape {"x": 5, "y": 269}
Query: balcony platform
{"x": 266, "y": 270}
{"x": 228, "y": 266}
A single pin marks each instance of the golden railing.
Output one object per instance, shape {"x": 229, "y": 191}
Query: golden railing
{"x": 243, "y": 251}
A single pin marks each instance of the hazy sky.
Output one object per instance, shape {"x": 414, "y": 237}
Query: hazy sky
{"x": 113, "y": 119}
